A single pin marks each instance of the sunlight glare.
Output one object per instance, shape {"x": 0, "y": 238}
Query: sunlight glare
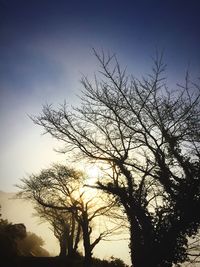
{"x": 93, "y": 172}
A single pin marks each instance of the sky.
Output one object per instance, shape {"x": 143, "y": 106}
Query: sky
{"x": 46, "y": 45}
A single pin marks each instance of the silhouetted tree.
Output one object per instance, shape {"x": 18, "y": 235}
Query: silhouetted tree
{"x": 65, "y": 228}
{"x": 59, "y": 188}
{"x": 149, "y": 135}
{"x": 85, "y": 212}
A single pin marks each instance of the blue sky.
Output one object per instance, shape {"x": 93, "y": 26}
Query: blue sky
{"x": 46, "y": 45}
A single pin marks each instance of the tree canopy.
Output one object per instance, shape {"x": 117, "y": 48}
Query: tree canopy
{"x": 59, "y": 196}
{"x": 149, "y": 136}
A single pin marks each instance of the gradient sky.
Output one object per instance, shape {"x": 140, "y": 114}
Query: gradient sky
{"x": 45, "y": 45}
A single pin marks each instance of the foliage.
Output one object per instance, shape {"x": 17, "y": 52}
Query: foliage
{"x": 31, "y": 245}
{"x": 15, "y": 241}
{"x": 112, "y": 262}
{"x": 9, "y": 235}
{"x": 149, "y": 136}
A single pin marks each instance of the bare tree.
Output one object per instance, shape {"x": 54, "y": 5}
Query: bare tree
{"x": 64, "y": 226}
{"x": 59, "y": 188}
{"x": 149, "y": 136}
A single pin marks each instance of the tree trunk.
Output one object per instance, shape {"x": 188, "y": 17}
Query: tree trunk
{"x": 144, "y": 252}
{"x": 138, "y": 258}
{"x": 87, "y": 247}
{"x": 86, "y": 240}
{"x": 77, "y": 239}
{"x": 64, "y": 242}
{"x": 71, "y": 237}
{"x": 63, "y": 247}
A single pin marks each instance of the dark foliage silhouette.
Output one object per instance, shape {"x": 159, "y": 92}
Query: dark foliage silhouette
{"x": 15, "y": 242}
{"x": 31, "y": 245}
{"x": 149, "y": 136}
{"x": 9, "y": 235}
